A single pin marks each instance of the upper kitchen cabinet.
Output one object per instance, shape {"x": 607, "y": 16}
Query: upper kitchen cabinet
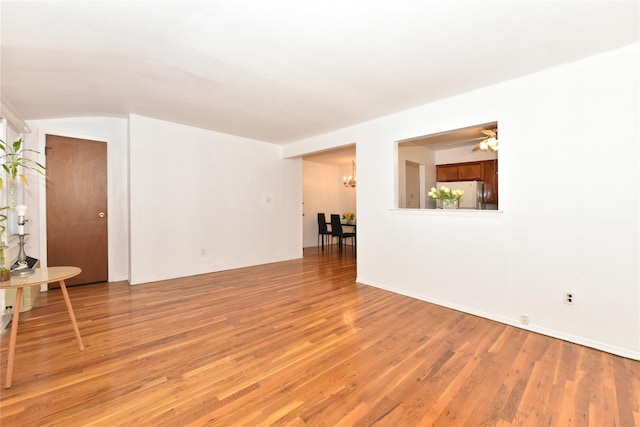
{"x": 447, "y": 173}
{"x": 470, "y": 171}
{"x": 486, "y": 170}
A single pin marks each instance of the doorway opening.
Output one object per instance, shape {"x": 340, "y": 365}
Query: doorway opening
{"x": 323, "y": 188}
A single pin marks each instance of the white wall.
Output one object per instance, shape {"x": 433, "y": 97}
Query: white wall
{"x": 114, "y": 132}
{"x": 324, "y": 192}
{"x": 251, "y": 231}
{"x": 569, "y": 197}
{"x": 203, "y": 201}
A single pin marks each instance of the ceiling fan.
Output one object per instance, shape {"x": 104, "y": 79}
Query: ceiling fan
{"x": 489, "y": 142}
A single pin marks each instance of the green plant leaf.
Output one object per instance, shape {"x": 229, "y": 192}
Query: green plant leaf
{"x": 14, "y": 159}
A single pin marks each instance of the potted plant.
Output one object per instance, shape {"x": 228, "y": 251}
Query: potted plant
{"x": 14, "y": 160}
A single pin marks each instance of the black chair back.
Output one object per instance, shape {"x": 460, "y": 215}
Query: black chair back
{"x": 322, "y": 223}
{"x": 336, "y": 226}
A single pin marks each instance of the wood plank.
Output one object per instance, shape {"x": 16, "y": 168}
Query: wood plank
{"x": 297, "y": 343}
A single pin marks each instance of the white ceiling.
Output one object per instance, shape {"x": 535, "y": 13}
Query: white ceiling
{"x": 282, "y": 70}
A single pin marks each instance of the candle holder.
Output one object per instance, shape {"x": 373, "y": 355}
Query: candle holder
{"x": 21, "y": 268}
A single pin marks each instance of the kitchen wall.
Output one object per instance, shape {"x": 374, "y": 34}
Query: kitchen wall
{"x": 568, "y": 148}
{"x": 421, "y": 156}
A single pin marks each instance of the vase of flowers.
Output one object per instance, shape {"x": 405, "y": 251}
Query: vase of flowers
{"x": 449, "y": 199}
{"x": 449, "y": 204}
{"x": 349, "y": 217}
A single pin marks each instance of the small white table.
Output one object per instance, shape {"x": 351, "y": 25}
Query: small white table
{"x": 41, "y": 276}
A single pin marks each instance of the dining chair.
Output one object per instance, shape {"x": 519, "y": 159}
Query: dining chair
{"x": 336, "y": 231}
{"x": 323, "y": 231}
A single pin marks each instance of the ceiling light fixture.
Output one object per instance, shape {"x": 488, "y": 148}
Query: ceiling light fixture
{"x": 350, "y": 181}
{"x": 490, "y": 142}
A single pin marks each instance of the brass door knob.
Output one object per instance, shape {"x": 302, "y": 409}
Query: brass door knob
{"x": 101, "y": 214}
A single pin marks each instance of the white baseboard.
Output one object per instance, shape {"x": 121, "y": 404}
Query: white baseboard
{"x": 624, "y": 352}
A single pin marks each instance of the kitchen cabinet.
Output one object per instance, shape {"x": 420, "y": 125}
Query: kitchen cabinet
{"x": 490, "y": 178}
{"x": 470, "y": 172}
{"x": 446, "y": 173}
{"x": 486, "y": 171}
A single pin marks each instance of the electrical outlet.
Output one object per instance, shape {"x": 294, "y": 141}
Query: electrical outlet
{"x": 524, "y": 320}
{"x": 569, "y": 298}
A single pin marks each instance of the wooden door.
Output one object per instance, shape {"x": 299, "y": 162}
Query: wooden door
{"x": 77, "y": 207}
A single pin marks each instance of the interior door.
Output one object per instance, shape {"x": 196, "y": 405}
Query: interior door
{"x": 412, "y": 185}
{"x": 77, "y": 207}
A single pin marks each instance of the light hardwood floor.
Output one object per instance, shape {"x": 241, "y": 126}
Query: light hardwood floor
{"x": 298, "y": 343}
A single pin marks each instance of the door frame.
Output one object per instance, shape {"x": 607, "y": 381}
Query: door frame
{"x": 42, "y": 198}
{"x": 422, "y": 174}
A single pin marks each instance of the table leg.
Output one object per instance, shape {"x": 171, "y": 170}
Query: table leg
{"x": 12, "y": 338}
{"x": 67, "y": 301}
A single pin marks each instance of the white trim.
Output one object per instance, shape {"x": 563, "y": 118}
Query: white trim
{"x": 8, "y": 112}
{"x": 624, "y": 352}
{"x": 475, "y": 213}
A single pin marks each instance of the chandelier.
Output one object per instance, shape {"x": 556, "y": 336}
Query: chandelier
{"x": 350, "y": 181}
